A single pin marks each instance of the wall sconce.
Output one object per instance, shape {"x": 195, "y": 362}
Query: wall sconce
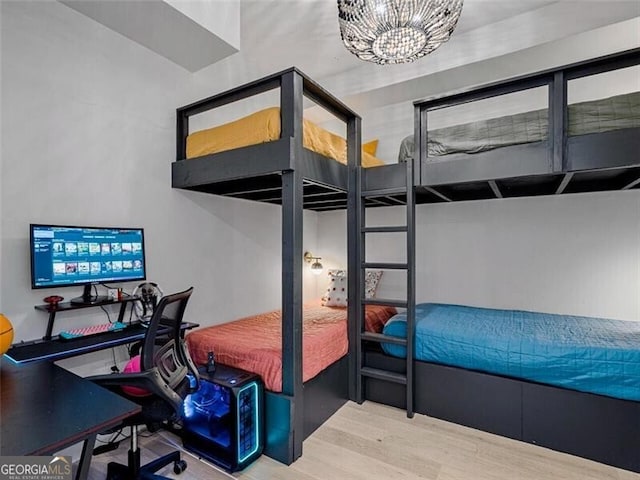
{"x": 316, "y": 266}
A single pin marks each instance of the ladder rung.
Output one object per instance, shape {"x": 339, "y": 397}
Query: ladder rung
{"x": 386, "y": 266}
{"x": 384, "y": 302}
{"x": 383, "y": 192}
{"x": 384, "y": 375}
{"x": 399, "y": 228}
{"x": 381, "y": 338}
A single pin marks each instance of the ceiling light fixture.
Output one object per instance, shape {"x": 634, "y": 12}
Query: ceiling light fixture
{"x": 396, "y": 31}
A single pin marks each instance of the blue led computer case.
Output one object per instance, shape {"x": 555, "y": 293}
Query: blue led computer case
{"x": 223, "y": 421}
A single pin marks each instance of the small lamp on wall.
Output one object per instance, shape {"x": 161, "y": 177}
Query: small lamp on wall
{"x": 316, "y": 266}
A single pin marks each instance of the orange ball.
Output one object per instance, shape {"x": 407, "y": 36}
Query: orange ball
{"x": 6, "y": 334}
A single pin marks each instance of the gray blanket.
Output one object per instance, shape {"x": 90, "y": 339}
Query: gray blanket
{"x": 613, "y": 113}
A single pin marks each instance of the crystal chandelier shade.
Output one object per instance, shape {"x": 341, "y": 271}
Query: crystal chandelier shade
{"x": 396, "y": 31}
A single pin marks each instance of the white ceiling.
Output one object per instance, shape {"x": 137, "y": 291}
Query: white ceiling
{"x": 494, "y": 39}
{"x": 276, "y": 34}
{"x": 285, "y": 32}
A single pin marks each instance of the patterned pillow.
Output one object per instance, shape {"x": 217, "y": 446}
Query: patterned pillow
{"x": 371, "y": 280}
{"x": 337, "y": 292}
{"x": 336, "y": 295}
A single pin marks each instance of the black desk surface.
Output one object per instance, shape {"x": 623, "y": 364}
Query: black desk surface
{"x": 45, "y": 408}
{"x": 56, "y": 348}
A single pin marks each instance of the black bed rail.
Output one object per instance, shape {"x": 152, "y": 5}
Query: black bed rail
{"x": 552, "y": 156}
{"x": 292, "y": 83}
{"x": 615, "y": 61}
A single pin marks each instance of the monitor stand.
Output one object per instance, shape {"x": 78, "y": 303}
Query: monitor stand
{"x": 88, "y": 298}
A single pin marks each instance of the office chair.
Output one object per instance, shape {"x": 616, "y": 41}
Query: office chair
{"x": 164, "y": 378}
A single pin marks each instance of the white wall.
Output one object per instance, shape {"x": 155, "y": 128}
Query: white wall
{"x": 88, "y": 138}
{"x": 572, "y": 254}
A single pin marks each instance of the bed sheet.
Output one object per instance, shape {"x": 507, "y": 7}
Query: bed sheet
{"x": 264, "y": 126}
{"x": 255, "y": 343}
{"x": 596, "y": 355}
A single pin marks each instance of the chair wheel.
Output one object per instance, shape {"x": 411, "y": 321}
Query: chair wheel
{"x": 179, "y": 466}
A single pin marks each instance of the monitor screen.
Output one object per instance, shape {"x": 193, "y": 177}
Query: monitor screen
{"x": 62, "y": 256}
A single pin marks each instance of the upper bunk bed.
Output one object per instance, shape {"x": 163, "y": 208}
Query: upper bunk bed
{"x": 562, "y": 144}
{"x": 245, "y": 158}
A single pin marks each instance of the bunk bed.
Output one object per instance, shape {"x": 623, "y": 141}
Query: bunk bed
{"x": 589, "y": 424}
{"x": 283, "y": 171}
{"x": 563, "y": 154}
{"x": 280, "y": 169}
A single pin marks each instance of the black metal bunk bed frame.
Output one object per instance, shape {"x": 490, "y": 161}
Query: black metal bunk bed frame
{"x": 282, "y": 172}
{"x": 592, "y": 426}
{"x": 561, "y": 164}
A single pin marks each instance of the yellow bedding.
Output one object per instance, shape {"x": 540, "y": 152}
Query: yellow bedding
{"x": 264, "y": 126}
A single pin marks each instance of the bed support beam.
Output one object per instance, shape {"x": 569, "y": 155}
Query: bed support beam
{"x": 182, "y": 132}
{"x": 355, "y": 212}
{"x": 495, "y": 189}
{"x": 558, "y": 122}
{"x": 565, "y": 181}
{"x": 292, "y": 203}
{"x": 438, "y": 194}
{"x": 292, "y": 302}
{"x": 632, "y": 184}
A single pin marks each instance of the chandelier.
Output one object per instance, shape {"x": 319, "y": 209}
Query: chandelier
{"x": 396, "y": 31}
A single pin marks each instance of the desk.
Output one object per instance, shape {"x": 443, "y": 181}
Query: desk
{"x": 57, "y": 349}
{"x": 45, "y": 408}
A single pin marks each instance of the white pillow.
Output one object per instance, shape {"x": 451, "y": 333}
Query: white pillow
{"x": 337, "y": 293}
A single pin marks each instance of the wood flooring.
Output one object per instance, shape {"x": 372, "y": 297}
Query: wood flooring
{"x": 373, "y": 441}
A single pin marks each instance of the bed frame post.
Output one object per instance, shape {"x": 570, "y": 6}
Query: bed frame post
{"x": 182, "y": 133}
{"x": 558, "y": 121}
{"x": 292, "y": 203}
{"x": 354, "y": 240}
{"x": 420, "y": 150}
{"x": 291, "y": 101}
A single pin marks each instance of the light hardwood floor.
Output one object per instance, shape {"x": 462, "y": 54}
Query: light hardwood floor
{"x": 373, "y": 441}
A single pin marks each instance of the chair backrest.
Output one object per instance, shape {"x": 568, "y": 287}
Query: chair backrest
{"x": 163, "y": 347}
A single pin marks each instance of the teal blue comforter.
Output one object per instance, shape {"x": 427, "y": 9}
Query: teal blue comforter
{"x": 596, "y": 355}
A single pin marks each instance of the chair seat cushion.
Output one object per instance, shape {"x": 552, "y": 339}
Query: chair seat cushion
{"x": 133, "y": 366}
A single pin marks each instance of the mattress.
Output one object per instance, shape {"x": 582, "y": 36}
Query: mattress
{"x": 255, "y": 343}
{"x": 613, "y": 113}
{"x": 264, "y": 126}
{"x": 595, "y": 355}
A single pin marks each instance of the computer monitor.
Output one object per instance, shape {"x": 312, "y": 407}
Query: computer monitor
{"x": 64, "y": 256}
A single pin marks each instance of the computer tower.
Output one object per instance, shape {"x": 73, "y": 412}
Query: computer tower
{"x": 223, "y": 421}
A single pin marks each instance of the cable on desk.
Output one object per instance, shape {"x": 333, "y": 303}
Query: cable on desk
{"x": 114, "y": 368}
{"x": 109, "y": 287}
{"x": 106, "y": 313}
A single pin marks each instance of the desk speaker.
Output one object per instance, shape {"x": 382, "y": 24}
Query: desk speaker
{"x": 223, "y": 421}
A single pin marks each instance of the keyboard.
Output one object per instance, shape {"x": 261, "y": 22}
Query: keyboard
{"x": 92, "y": 330}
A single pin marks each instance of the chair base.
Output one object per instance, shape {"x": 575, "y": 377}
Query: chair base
{"x": 133, "y": 471}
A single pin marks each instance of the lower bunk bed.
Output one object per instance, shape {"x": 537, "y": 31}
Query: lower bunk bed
{"x": 567, "y": 383}
{"x": 255, "y": 344}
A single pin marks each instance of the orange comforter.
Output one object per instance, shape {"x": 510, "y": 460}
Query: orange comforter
{"x": 264, "y": 126}
{"x": 255, "y": 343}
